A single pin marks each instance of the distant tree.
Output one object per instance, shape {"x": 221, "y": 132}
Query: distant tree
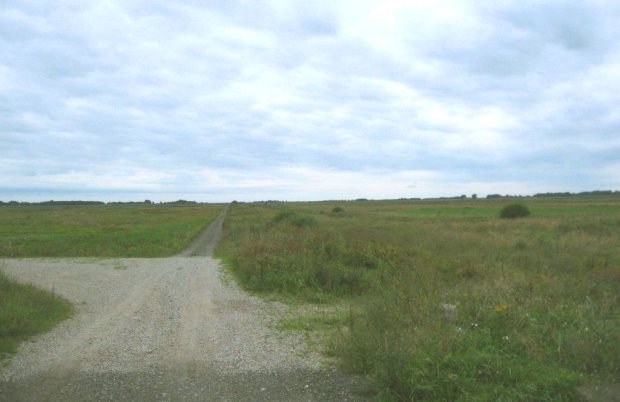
{"x": 474, "y": 196}
{"x": 148, "y": 202}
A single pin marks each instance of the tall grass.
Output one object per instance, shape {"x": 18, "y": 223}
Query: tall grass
{"x": 26, "y": 311}
{"x": 534, "y": 304}
{"x": 293, "y": 254}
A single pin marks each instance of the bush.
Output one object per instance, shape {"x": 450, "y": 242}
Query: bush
{"x": 337, "y": 210}
{"x": 513, "y": 211}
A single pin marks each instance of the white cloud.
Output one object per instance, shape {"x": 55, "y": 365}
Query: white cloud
{"x": 305, "y": 100}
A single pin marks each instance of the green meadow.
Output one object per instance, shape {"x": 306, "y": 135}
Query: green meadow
{"x": 101, "y": 230}
{"x": 445, "y": 300}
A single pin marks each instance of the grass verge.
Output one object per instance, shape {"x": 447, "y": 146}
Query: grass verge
{"x": 26, "y": 311}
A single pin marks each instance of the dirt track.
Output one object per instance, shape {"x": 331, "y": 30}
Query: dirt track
{"x": 167, "y": 329}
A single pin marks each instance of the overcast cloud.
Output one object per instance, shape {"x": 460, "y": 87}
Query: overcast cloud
{"x": 251, "y": 100}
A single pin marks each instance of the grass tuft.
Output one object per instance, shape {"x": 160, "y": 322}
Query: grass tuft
{"x": 26, "y": 311}
{"x": 295, "y": 219}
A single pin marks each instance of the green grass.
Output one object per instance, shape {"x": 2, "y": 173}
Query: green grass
{"x": 101, "y": 230}
{"x": 537, "y": 299}
{"x": 26, "y": 311}
{"x": 311, "y": 321}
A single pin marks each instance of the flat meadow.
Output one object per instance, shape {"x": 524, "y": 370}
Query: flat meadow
{"x": 125, "y": 230}
{"x": 443, "y": 299}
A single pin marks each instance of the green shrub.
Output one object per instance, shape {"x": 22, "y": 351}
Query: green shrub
{"x": 337, "y": 210}
{"x": 513, "y": 211}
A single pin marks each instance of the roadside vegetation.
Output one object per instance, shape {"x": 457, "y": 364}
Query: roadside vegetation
{"x": 446, "y": 300}
{"x": 101, "y": 230}
{"x": 26, "y": 311}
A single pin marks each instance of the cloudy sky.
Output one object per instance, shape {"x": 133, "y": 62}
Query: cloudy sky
{"x": 306, "y": 100}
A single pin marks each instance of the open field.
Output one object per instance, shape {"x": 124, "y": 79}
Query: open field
{"x": 101, "y": 230}
{"x": 447, "y": 301}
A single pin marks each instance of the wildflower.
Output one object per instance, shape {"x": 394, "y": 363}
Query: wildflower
{"x": 506, "y": 338}
{"x": 501, "y": 308}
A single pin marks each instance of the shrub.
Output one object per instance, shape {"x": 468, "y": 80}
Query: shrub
{"x": 513, "y": 211}
{"x": 337, "y": 210}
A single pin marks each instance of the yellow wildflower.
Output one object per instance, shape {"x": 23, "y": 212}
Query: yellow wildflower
{"x": 501, "y": 308}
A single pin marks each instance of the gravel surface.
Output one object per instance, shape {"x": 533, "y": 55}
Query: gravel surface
{"x": 166, "y": 329}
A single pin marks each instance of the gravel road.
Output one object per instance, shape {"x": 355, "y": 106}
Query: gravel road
{"x": 165, "y": 329}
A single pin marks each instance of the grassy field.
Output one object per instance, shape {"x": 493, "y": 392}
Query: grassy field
{"x": 101, "y": 230}
{"x": 448, "y": 301}
{"x": 26, "y": 311}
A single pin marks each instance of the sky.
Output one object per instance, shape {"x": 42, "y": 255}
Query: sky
{"x": 307, "y": 100}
